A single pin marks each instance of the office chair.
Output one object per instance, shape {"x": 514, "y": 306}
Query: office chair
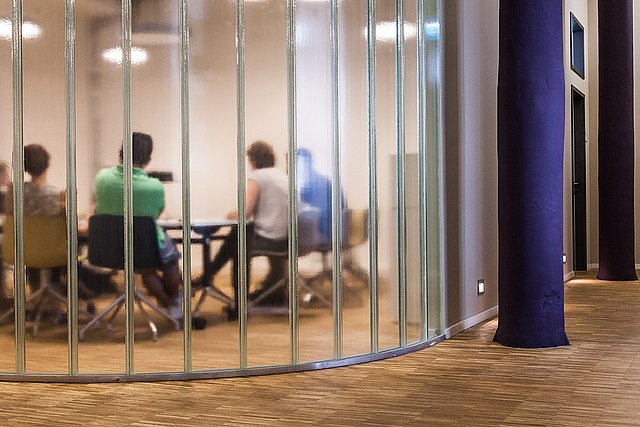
{"x": 355, "y": 234}
{"x": 308, "y": 238}
{"x": 45, "y": 247}
{"x": 106, "y": 249}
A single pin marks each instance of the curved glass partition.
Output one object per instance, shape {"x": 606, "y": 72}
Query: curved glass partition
{"x": 200, "y": 189}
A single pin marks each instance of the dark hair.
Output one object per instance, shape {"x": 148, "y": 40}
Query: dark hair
{"x": 36, "y": 159}
{"x": 261, "y": 155}
{"x": 142, "y": 147}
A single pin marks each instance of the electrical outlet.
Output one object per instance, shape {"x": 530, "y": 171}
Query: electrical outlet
{"x": 481, "y": 287}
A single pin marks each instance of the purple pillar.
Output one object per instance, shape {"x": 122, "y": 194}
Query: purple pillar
{"x": 531, "y": 119}
{"x": 615, "y": 142}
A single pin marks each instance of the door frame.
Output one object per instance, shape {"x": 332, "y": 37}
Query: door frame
{"x": 575, "y": 91}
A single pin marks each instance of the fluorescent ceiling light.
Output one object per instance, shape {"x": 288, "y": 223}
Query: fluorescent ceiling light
{"x": 386, "y": 31}
{"x": 114, "y": 54}
{"x": 432, "y": 30}
{"x": 157, "y": 38}
{"x": 29, "y": 29}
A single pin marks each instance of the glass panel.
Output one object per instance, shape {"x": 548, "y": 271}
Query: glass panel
{"x": 45, "y": 180}
{"x": 7, "y": 332}
{"x": 314, "y": 177}
{"x": 387, "y": 176}
{"x": 412, "y": 193}
{"x": 213, "y": 150}
{"x": 213, "y": 160}
{"x": 354, "y": 176}
{"x": 155, "y": 111}
{"x": 266, "y": 120}
{"x": 99, "y": 138}
{"x": 434, "y": 187}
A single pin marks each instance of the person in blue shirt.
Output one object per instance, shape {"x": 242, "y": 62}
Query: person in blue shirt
{"x": 315, "y": 190}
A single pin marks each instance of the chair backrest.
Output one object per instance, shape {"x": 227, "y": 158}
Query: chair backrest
{"x": 308, "y": 233}
{"x": 357, "y": 227}
{"x": 45, "y": 241}
{"x": 106, "y": 242}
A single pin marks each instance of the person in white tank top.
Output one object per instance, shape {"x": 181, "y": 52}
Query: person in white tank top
{"x": 267, "y": 212}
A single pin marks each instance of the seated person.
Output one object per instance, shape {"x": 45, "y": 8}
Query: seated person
{"x": 40, "y": 199}
{"x": 148, "y": 200}
{"x": 267, "y": 207}
{"x": 315, "y": 191}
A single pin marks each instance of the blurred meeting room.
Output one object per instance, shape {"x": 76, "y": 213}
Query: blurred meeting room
{"x": 351, "y": 265}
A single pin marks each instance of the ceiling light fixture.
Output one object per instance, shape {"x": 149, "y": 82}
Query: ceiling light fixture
{"x": 30, "y": 30}
{"x": 386, "y": 31}
{"x": 432, "y": 30}
{"x": 114, "y": 54}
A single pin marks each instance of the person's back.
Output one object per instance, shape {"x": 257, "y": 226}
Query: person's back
{"x": 42, "y": 200}
{"x": 316, "y": 192}
{"x": 148, "y": 193}
{"x": 270, "y": 216}
{"x": 148, "y": 200}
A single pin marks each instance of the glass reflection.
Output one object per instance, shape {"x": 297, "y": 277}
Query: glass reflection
{"x": 214, "y": 176}
{"x": 7, "y": 324}
{"x": 99, "y": 138}
{"x": 155, "y": 110}
{"x": 354, "y": 177}
{"x": 268, "y": 341}
{"x": 212, "y": 97}
{"x": 45, "y": 179}
{"x": 412, "y": 183}
{"x": 434, "y": 189}
{"x": 387, "y": 178}
{"x": 314, "y": 135}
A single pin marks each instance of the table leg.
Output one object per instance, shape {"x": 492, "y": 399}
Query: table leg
{"x": 206, "y": 261}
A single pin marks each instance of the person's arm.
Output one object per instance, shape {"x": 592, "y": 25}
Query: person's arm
{"x": 162, "y": 198}
{"x": 253, "y": 194}
{"x": 9, "y": 201}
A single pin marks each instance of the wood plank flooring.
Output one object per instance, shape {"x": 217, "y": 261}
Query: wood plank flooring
{"x": 465, "y": 381}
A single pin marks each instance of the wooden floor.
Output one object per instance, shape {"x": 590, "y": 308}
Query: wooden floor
{"x": 466, "y": 381}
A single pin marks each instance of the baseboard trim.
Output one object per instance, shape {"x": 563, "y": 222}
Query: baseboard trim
{"x": 569, "y": 276}
{"x": 597, "y": 266}
{"x": 471, "y": 322}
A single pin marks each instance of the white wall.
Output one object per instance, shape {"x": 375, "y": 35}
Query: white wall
{"x": 156, "y": 100}
{"x": 471, "y": 73}
{"x": 45, "y": 93}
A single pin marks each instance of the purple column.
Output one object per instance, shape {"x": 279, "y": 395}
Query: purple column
{"x": 531, "y": 119}
{"x": 615, "y": 141}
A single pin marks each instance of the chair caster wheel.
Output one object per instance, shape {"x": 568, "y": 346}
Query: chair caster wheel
{"x": 199, "y": 323}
